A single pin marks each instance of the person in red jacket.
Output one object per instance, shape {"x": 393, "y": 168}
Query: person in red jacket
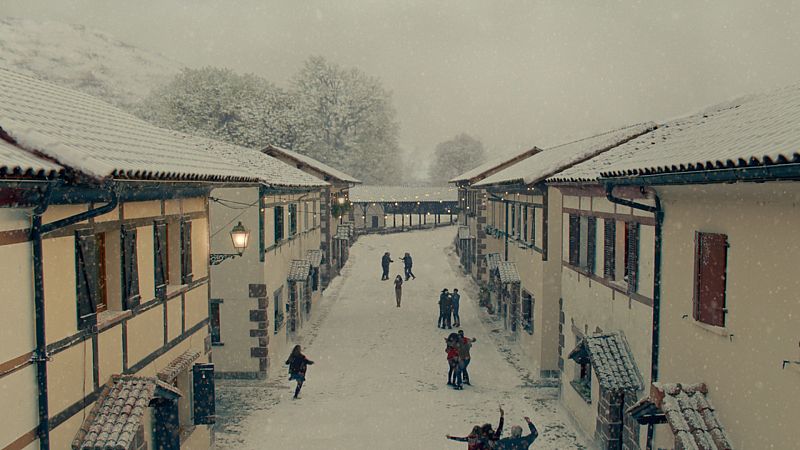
{"x": 298, "y": 363}
{"x": 452, "y": 359}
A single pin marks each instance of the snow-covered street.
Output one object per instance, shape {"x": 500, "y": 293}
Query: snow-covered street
{"x": 379, "y": 378}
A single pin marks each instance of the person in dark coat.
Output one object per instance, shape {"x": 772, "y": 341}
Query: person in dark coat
{"x": 407, "y": 263}
{"x": 445, "y": 308}
{"x": 398, "y": 289}
{"x": 472, "y": 439}
{"x": 517, "y": 441}
{"x": 385, "y": 261}
{"x": 464, "y": 357}
{"x": 455, "y": 299}
{"x": 297, "y": 368}
{"x": 452, "y": 360}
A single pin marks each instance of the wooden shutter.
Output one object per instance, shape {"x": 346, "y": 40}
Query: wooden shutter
{"x": 574, "y": 239}
{"x": 186, "y": 252}
{"x": 160, "y": 253}
{"x": 711, "y": 259}
{"x": 130, "y": 268}
{"x": 87, "y": 277}
{"x": 609, "y": 250}
{"x": 591, "y": 243}
{"x": 204, "y": 400}
{"x": 633, "y": 256}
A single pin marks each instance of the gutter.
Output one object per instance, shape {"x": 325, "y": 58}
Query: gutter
{"x": 777, "y": 172}
{"x": 40, "y": 356}
{"x": 656, "y": 324}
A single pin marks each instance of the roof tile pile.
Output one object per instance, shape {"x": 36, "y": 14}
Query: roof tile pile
{"x": 314, "y": 257}
{"x": 463, "y": 233}
{"x": 611, "y": 360}
{"x": 117, "y": 414}
{"x": 508, "y": 272}
{"x": 178, "y": 365}
{"x": 690, "y": 415}
{"x": 299, "y": 270}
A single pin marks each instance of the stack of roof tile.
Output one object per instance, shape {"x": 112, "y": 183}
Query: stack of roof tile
{"x": 314, "y": 257}
{"x": 299, "y": 270}
{"x": 508, "y": 272}
{"x": 492, "y": 260}
{"x": 611, "y": 360}
{"x": 178, "y": 365}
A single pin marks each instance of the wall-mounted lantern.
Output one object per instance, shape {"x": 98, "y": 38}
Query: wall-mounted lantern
{"x": 240, "y": 236}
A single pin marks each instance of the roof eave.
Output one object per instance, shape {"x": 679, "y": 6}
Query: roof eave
{"x": 778, "y": 172}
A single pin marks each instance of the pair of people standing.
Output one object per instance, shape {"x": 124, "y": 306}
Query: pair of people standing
{"x": 448, "y": 309}
{"x": 458, "y": 359}
{"x": 408, "y": 263}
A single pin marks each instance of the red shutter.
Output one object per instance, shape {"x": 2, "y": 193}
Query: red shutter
{"x": 711, "y": 259}
{"x": 609, "y": 252}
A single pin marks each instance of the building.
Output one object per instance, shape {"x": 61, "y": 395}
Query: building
{"x": 472, "y": 205}
{"x": 105, "y": 247}
{"x": 725, "y": 192}
{"x": 401, "y": 208}
{"x": 262, "y": 295}
{"x": 335, "y": 199}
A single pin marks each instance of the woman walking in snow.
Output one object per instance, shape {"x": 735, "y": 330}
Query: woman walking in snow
{"x": 398, "y": 289}
{"x": 297, "y": 368}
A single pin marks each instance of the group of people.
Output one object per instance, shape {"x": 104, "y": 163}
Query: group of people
{"x": 485, "y": 438}
{"x": 448, "y": 309}
{"x": 458, "y": 359}
{"x": 408, "y": 263}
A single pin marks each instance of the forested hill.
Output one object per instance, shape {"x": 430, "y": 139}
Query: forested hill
{"x": 80, "y": 58}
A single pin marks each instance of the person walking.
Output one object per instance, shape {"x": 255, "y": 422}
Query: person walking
{"x": 445, "y": 308}
{"x": 298, "y": 363}
{"x": 464, "y": 358}
{"x": 398, "y": 289}
{"x": 407, "y": 263}
{"x": 455, "y": 298}
{"x": 517, "y": 441}
{"x": 385, "y": 261}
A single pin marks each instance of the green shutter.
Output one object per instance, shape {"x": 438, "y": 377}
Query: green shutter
{"x": 87, "y": 277}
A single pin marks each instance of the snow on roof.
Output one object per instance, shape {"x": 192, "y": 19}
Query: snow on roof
{"x": 299, "y": 270}
{"x": 611, "y": 360}
{"x": 754, "y": 130}
{"x": 558, "y": 158}
{"x": 273, "y": 150}
{"x": 17, "y": 162}
{"x": 314, "y": 256}
{"x": 403, "y": 194}
{"x": 507, "y": 271}
{"x": 177, "y": 366}
{"x": 493, "y": 166}
{"x": 691, "y": 417}
{"x": 90, "y": 136}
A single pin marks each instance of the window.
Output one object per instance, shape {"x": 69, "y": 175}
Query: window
{"x": 215, "y": 322}
{"x": 528, "y": 304}
{"x": 609, "y": 248}
{"x": 278, "y": 224}
{"x": 292, "y": 219}
{"x": 574, "y": 240}
{"x": 710, "y": 278}
{"x": 533, "y": 226}
{"x": 98, "y": 275}
{"x": 583, "y": 379}
{"x": 632, "y": 256}
{"x": 277, "y": 301}
{"x": 374, "y": 223}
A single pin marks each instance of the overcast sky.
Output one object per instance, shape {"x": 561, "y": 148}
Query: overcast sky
{"x": 513, "y": 73}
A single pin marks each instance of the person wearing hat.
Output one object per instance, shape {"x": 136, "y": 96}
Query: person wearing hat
{"x": 445, "y": 308}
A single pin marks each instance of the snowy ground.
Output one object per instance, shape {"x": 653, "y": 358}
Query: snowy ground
{"x": 380, "y": 375}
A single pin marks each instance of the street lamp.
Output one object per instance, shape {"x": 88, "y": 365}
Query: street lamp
{"x": 239, "y": 237}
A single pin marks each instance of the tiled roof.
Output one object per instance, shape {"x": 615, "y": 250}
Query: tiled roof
{"x": 178, "y": 365}
{"x": 403, "y": 194}
{"x": 686, "y": 407}
{"x": 611, "y": 360}
{"x": 752, "y": 131}
{"x": 299, "y": 270}
{"x": 463, "y": 233}
{"x": 311, "y": 162}
{"x": 89, "y": 136}
{"x": 16, "y": 162}
{"x": 118, "y": 412}
{"x": 492, "y": 260}
{"x": 342, "y": 232}
{"x": 314, "y": 257}
{"x": 555, "y": 159}
{"x": 508, "y": 272}
{"x": 492, "y": 166}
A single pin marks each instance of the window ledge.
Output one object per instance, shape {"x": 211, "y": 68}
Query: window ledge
{"x": 108, "y": 319}
{"x": 580, "y": 388}
{"x": 218, "y": 344}
{"x": 720, "y": 331}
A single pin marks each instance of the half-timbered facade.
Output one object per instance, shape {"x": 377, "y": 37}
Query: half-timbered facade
{"x": 334, "y": 202}
{"x": 105, "y": 240}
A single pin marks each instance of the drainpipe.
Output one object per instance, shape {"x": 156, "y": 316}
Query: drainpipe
{"x": 658, "y": 211}
{"x": 40, "y": 356}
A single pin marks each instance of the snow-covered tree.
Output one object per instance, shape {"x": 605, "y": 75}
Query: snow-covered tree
{"x": 456, "y": 156}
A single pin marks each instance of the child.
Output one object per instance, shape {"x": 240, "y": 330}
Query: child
{"x": 297, "y": 368}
